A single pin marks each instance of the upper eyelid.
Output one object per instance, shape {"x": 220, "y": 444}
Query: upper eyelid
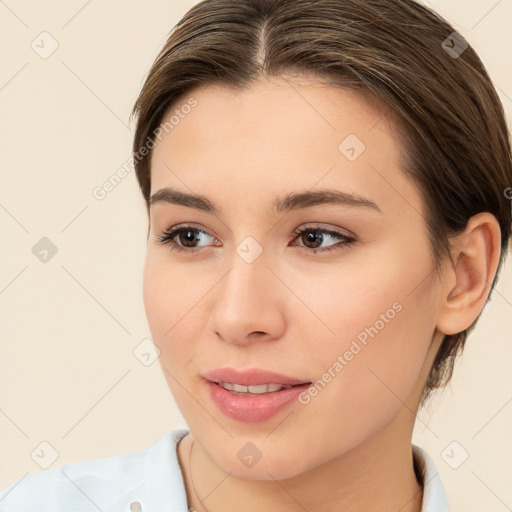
{"x": 185, "y": 225}
{"x": 304, "y": 226}
{"x": 171, "y": 233}
{"x": 337, "y": 231}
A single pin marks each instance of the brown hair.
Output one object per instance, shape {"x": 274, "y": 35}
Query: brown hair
{"x": 454, "y": 135}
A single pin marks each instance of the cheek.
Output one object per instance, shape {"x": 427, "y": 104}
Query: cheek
{"x": 382, "y": 317}
{"x": 166, "y": 303}
{"x": 169, "y": 297}
{"x": 159, "y": 299}
{"x": 170, "y": 292}
{"x": 174, "y": 303}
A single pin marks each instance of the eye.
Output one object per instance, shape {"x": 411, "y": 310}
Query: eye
{"x": 187, "y": 236}
{"x": 314, "y": 237}
{"x": 184, "y": 238}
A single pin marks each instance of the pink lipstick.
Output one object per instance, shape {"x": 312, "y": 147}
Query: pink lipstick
{"x": 252, "y": 396}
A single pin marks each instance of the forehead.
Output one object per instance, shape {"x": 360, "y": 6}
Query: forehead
{"x": 280, "y": 100}
{"x": 282, "y": 133}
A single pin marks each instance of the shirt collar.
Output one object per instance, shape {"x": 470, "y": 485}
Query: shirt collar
{"x": 434, "y": 495}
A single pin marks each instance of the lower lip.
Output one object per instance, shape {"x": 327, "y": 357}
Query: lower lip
{"x": 253, "y": 409}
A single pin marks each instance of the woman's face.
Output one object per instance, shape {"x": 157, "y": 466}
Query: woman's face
{"x": 348, "y": 305}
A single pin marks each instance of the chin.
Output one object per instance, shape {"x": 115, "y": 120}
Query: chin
{"x": 277, "y": 465}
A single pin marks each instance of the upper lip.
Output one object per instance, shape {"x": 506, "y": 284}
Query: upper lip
{"x": 251, "y": 377}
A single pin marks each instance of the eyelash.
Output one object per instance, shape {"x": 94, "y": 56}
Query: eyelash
{"x": 167, "y": 238}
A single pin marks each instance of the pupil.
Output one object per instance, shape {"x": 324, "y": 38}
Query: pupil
{"x": 314, "y": 235}
{"x": 190, "y": 237}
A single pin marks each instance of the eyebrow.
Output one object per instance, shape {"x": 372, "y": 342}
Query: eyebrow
{"x": 292, "y": 201}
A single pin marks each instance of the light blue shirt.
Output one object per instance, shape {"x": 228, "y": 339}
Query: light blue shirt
{"x": 152, "y": 477}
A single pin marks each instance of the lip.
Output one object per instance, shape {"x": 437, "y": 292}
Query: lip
{"x": 252, "y": 408}
{"x": 252, "y": 377}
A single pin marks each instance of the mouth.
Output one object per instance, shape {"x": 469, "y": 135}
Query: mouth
{"x": 251, "y": 378}
{"x": 254, "y": 395}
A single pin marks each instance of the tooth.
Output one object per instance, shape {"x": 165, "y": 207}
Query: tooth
{"x": 274, "y": 387}
{"x": 261, "y": 388}
{"x": 258, "y": 389}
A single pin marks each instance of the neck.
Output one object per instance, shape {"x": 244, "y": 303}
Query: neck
{"x": 376, "y": 475}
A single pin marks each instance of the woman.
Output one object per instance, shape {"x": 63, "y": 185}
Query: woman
{"x": 325, "y": 184}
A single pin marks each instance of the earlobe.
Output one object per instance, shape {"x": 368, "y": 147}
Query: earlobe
{"x": 468, "y": 279}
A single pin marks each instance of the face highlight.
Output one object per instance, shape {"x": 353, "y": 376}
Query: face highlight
{"x": 303, "y": 250}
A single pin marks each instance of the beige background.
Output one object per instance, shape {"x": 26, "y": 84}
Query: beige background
{"x": 68, "y": 374}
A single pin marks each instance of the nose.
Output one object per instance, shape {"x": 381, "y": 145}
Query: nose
{"x": 250, "y": 305}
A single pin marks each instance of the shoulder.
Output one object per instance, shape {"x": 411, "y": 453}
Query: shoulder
{"x": 98, "y": 484}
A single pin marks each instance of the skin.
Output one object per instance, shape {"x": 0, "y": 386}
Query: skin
{"x": 293, "y": 310}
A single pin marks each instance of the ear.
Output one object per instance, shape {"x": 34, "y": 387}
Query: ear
{"x": 468, "y": 278}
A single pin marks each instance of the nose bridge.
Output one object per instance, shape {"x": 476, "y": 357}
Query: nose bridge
{"x": 248, "y": 264}
{"x": 246, "y": 279}
{"x": 247, "y": 301}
